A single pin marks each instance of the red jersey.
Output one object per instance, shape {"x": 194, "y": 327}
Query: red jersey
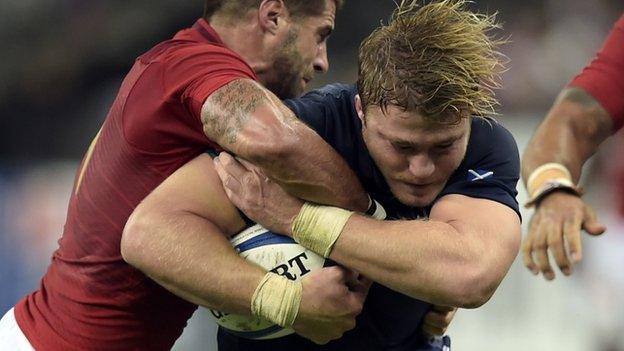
{"x": 603, "y": 78}
{"x": 90, "y": 298}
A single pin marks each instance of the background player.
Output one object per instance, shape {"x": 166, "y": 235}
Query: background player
{"x": 586, "y": 113}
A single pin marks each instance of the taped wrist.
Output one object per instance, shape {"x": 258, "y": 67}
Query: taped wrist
{"x": 318, "y": 227}
{"x": 547, "y": 178}
{"x": 277, "y": 299}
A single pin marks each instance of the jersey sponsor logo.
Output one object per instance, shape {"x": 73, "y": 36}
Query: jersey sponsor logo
{"x": 478, "y": 174}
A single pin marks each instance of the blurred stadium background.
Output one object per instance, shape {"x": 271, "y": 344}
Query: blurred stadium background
{"x": 64, "y": 60}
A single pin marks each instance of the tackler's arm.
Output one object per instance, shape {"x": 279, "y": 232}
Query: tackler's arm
{"x": 178, "y": 237}
{"x": 249, "y": 121}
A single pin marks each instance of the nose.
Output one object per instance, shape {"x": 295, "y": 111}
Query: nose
{"x": 421, "y": 166}
{"x": 321, "y": 62}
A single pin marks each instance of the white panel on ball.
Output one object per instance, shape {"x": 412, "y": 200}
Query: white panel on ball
{"x": 273, "y": 252}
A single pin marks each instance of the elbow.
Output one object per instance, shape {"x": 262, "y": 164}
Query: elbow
{"x": 466, "y": 288}
{"x": 476, "y": 295}
{"x": 476, "y": 288}
{"x": 133, "y": 238}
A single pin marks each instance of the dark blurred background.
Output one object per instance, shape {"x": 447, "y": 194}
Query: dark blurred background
{"x": 63, "y": 61}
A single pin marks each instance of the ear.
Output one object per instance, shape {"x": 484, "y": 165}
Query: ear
{"x": 358, "y": 108}
{"x": 271, "y": 15}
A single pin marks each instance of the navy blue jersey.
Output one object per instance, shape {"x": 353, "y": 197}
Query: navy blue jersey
{"x": 391, "y": 320}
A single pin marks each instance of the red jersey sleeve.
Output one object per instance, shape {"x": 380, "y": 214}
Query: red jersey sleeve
{"x": 603, "y": 78}
{"x": 202, "y": 71}
{"x": 165, "y": 90}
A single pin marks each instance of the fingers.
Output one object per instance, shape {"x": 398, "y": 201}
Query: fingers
{"x": 365, "y": 282}
{"x": 535, "y": 247}
{"x": 355, "y": 290}
{"x": 360, "y": 288}
{"x": 540, "y": 251}
{"x": 250, "y": 166}
{"x": 232, "y": 165}
{"x": 231, "y": 185}
{"x": 590, "y": 222}
{"x": 436, "y": 323}
{"x": 237, "y": 166}
{"x": 237, "y": 179}
{"x": 350, "y": 276}
{"x": 553, "y": 229}
{"x": 557, "y": 248}
{"x": 527, "y": 245}
{"x": 353, "y": 280}
{"x": 443, "y": 309}
{"x": 339, "y": 273}
{"x": 572, "y": 234}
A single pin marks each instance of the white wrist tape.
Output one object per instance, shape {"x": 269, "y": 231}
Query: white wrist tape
{"x": 318, "y": 227}
{"x": 375, "y": 210}
{"x": 547, "y": 178}
{"x": 277, "y": 299}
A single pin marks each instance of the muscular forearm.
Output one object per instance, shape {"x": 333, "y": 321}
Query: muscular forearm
{"x": 249, "y": 121}
{"x": 310, "y": 169}
{"x": 428, "y": 260}
{"x": 192, "y": 258}
{"x": 571, "y": 132}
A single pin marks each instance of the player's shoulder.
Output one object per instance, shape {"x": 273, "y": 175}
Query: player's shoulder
{"x": 327, "y": 110}
{"x": 491, "y": 167}
{"x": 335, "y": 90}
{"x": 489, "y": 138}
{"x": 175, "y": 51}
{"x": 491, "y": 148}
{"x": 331, "y": 95}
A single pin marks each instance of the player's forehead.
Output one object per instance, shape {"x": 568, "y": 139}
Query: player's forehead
{"x": 398, "y": 125}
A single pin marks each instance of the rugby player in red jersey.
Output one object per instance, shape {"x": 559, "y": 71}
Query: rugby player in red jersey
{"x": 586, "y": 113}
{"x": 201, "y": 89}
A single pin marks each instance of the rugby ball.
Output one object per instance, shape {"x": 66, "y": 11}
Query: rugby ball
{"x": 279, "y": 254}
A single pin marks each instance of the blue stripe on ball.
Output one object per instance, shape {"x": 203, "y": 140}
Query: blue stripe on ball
{"x": 268, "y": 238}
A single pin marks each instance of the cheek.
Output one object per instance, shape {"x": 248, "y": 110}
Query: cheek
{"x": 447, "y": 164}
{"x": 303, "y": 49}
{"x": 387, "y": 158}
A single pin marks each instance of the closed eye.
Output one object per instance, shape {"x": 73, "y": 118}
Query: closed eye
{"x": 442, "y": 149}
{"x": 403, "y": 147}
{"x": 324, "y": 34}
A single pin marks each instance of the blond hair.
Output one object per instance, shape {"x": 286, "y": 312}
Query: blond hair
{"x": 434, "y": 59}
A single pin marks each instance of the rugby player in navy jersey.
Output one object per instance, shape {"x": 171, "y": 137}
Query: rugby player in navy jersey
{"x": 421, "y": 151}
{"x": 413, "y": 133}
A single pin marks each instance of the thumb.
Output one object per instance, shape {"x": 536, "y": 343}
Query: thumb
{"x": 443, "y": 309}
{"x": 360, "y": 288}
{"x": 365, "y": 282}
{"x": 590, "y": 222}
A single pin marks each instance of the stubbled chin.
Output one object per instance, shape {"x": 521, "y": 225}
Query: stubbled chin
{"x": 410, "y": 198}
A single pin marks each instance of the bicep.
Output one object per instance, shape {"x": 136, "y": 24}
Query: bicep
{"x": 196, "y": 189}
{"x": 494, "y": 225}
